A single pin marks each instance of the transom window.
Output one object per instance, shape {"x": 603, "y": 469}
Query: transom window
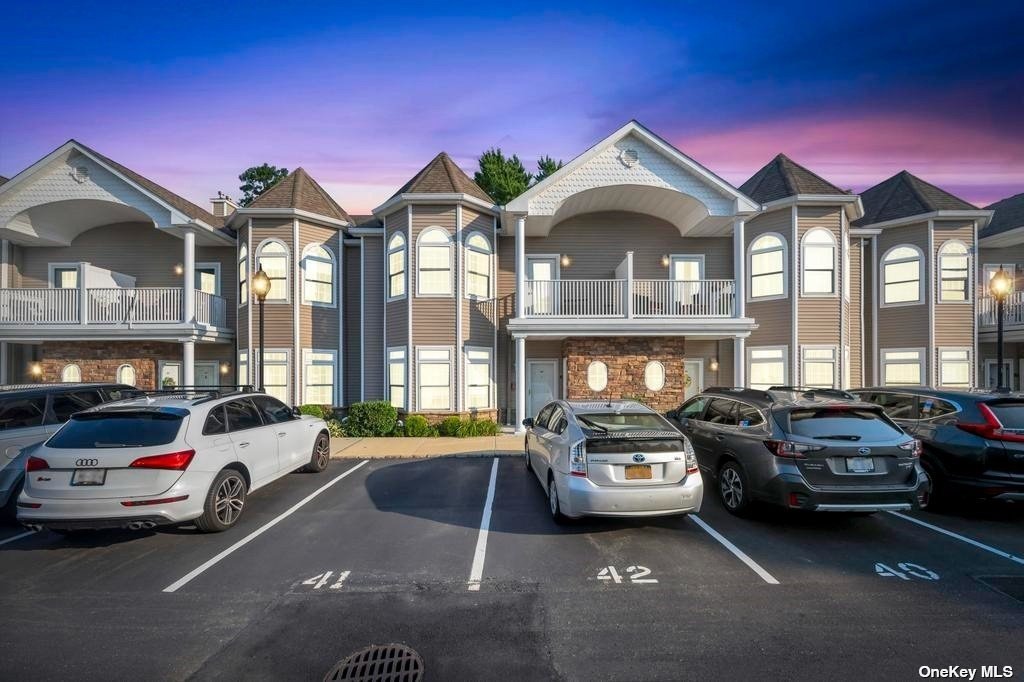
{"x": 478, "y": 266}
{"x": 434, "y": 263}
{"x": 819, "y": 262}
{"x": 768, "y": 266}
{"x": 396, "y": 266}
{"x": 901, "y": 275}
{"x": 273, "y": 258}
{"x": 954, "y": 265}
{"x": 318, "y": 275}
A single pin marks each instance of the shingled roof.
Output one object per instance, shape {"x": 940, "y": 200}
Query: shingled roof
{"x": 904, "y": 195}
{"x": 443, "y": 176}
{"x": 782, "y": 177}
{"x": 1009, "y": 215}
{"x": 300, "y": 191}
{"x": 2, "y": 179}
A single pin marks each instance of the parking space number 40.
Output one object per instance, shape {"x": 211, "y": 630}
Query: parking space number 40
{"x": 906, "y": 571}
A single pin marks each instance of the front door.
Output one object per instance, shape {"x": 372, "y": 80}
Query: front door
{"x": 206, "y": 374}
{"x": 694, "y": 378}
{"x": 543, "y": 271}
{"x": 170, "y": 375}
{"x": 542, "y": 376}
{"x": 992, "y": 374}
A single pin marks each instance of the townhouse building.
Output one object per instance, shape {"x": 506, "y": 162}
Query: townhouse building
{"x": 632, "y": 271}
{"x": 1001, "y": 246}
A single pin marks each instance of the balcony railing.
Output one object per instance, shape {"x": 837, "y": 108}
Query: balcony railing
{"x": 1013, "y": 310}
{"x": 111, "y": 306}
{"x": 629, "y": 298}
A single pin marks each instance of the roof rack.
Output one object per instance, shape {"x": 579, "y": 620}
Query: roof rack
{"x": 198, "y": 394}
{"x": 811, "y": 392}
{"x": 749, "y": 393}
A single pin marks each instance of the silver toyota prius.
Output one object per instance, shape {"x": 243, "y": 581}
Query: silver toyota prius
{"x": 617, "y": 458}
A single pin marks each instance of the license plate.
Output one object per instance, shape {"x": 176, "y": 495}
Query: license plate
{"x": 637, "y": 471}
{"x": 860, "y": 465}
{"x": 89, "y": 477}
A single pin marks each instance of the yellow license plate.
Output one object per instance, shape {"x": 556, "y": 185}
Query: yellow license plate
{"x": 637, "y": 471}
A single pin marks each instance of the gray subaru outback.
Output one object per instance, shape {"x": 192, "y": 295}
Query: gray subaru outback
{"x": 807, "y": 449}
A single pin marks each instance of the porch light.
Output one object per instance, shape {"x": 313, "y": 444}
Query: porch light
{"x": 179, "y": 269}
{"x": 665, "y": 260}
{"x": 225, "y": 367}
{"x": 714, "y": 364}
{"x": 565, "y": 260}
{"x": 36, "y": 370}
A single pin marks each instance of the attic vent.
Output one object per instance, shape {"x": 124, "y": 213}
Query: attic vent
{"x": 80, "y": 173}
{"x": 629, "y": 157}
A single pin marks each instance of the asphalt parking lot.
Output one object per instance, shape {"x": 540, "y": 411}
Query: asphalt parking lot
{"x": 393, "y": 551}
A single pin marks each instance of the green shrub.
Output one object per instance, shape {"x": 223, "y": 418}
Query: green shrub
{"x": 371, "y": 418}
{"x": 335, "y": 428}
{"x": 319, "y": 411}
{"x": 449, "y": 426}
{"x": 482, "y": 427}
{"x": 417, "y": 426}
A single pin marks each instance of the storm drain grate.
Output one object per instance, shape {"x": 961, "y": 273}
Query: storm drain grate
{"x": 379, "y": 663}
{"x": 1010, "y": 585}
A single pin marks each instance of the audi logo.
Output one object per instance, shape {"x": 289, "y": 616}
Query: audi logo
{"x": 86, "y": 462}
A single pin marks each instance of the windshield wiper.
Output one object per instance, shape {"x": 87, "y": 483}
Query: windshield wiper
{"x": 838, "y": 436}
{"x": 110, "y": 445}
{"x": 592, "y": 424}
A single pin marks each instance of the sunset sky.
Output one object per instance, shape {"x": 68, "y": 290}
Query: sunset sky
{"x": 362, "y": 96}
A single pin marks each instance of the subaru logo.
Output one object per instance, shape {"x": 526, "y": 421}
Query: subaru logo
{"x": 638, "y": 457}
{"x": 864, "y": 451}
{"x": 86, "y": 462}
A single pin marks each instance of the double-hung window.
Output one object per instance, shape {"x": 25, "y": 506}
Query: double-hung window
{"x": 819, "y": 367}
{"x": 766, "y": 367}
{"x": 954, "y": 269}
{"x": 396, "y": 377}
{"x": 243, "y": 275}
{"x": 901, "y": 275}
{"x": 819, "y": 262}
{"x": 318, "y": 275}
{"x": 275, "y": 374}
{"x": 955, "y": 367}
{"x": 434, "y": 378}
{"x": 478, "y": 266}
{"x": 903, "y": 367}
{"x": 396, "y": 266}
{"x": 273, "y": 258}
{"x": 434, "y": 263}
{"x": 767, "y": 267}
{"x": 318, "y": 372}
{"x": 479, "y": 370}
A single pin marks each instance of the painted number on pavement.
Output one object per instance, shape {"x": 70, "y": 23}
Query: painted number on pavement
{"x": 318, "y": 581}
{"x": 906, "y": 571}
{"x": 634, "y": 574}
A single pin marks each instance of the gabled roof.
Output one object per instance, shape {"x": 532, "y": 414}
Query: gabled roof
{"x": 782, "y": 177}
{"x": 905, "y": 195}
{"x": 2, "y": 179}
{"x": 1009, "y": 215}
{"x": 300, "y": 191}
{"x": 443, "y": 176}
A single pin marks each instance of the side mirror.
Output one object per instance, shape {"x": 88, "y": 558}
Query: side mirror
{"x": 296, "y": 412}
{"x": 528, "y": 422}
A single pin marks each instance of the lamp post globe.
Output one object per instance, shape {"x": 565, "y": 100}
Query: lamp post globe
{"x": 1000, "y": 287}
{"x": 260, "y": 289}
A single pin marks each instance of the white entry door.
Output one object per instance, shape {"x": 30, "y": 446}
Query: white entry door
{"x": 170, "y": 374}
{"x": 206, "y": 374}
{"x": 695, "y": 372}
{"x": 992, "y": 375}
{"x": 542, "y": 376}
{"x": 543, "y": 271}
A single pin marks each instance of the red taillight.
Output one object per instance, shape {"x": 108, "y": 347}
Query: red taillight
{"x": 790, "y": 450}
{"x": 143, "y": 503}
{"x": 30, "y": 505}
{"x": 36, "y": 464}
{"x": 176, "y": 461}
{"x": 991, "y": 429}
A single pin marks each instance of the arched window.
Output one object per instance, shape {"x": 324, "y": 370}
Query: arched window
{"x": 318, "y": 275}
{"x": 126, "y": 375}
{"x": 396, "y": 266}
{"x": 478, "y": 266}
{"x": 243, "y": 274}
{"x": 654, "y": 376}
{"x": 901, "y": 275}
{"x": 273, "y": 258}
{"x": 767, "y": 265}
{"x": 819, "y": 262}
{"x": 71, "y": 374}
{"x": 434, "y": 263}
{"x": 954, "y": 266}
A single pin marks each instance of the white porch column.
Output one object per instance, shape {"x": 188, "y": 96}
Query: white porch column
{"x": 188, "y": 290}
{"x": 5, "y": 258}
{"x": 520, "y": 383}
{"x": 520, "y": 268}
{"x": 739, "y": 269}
{"x": 188, "y": 363}
{"x": 739, "y": 362}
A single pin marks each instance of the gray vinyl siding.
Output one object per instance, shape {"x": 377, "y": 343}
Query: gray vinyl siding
{"x": 819, "y": 316}
{"x": 478, "y": 317}
{"x": 954, "y": 322}
{"x": 433, "y": 318}
{"x": 353, "y": 348}
{"x": 397, "y": 310}
{"x": 903, "y": 326}
{"x": 1003, "y": 254}
{"x": 318, "y": 325}
{"x": 706, "y": 350}
{"x": 373, "y": 318}
{"x": 774, "y": 317}
{"x": 278, "y": 316}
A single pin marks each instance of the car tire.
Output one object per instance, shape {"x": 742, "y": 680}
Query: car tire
{"x": 321, "y": 456}
{"x": 733, "y": 490}
{"x": 554, "y": 504}
{"x": 526, "y": 454}
{"x": 224, "y": 504}
{"x": 939, "y": 493}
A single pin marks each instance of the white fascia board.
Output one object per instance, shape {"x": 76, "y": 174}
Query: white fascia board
{"x": 851, "y": 203}
{"x": 864, "y": 232}
{"x": 521, "y": 204}
{"x": 980, "y": 215}
{"x": 424, "y": 198}
{"x": 286, "y": 213}
{"x": 366, "y": 231}
{"x": 729, "y": 326}
{"x": 1007, "y": 238}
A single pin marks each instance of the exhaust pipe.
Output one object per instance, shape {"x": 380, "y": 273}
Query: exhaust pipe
{"x": 35, "y": 527}
{"x": 141, "y": 525}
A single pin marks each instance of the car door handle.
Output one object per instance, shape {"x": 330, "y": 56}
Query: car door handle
{"x": 243, "y": 445}
{"x": 719, "y": 437}
{"x": 282, "y": 434}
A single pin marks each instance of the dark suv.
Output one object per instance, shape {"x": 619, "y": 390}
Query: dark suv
{"x": 802, "y": 449}
{"x": 973, "y": 441}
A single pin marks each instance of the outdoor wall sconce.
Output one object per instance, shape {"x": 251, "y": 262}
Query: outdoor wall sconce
{"x": 565, "y": 260}
{"x": 36, "y": 370}
{"x": 665, "y": 260}
{"x": 714, "y": 364}
{"x": 225, "y": 367}
{"x": 179, "y": 269}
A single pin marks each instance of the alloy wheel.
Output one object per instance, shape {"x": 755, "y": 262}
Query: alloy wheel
{"x": 732, "y": 488}
{"x": 323, "y": 453}
{"x": 230, "y": 500}
{"x": 553, "y": 498}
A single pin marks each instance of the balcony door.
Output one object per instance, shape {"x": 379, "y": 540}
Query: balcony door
{"x": 685, "y": 271}
{"x": 542, "y": 273}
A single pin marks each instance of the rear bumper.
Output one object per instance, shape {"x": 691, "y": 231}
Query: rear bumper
{"x": 995, "y": 488}
{"x": 793, "y": 491}
{"x": 582, "y": 497}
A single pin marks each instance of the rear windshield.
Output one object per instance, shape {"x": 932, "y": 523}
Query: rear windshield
{"x": 611, "y": 422}
{"x": 117, "y": 430}
{"x": 1009, "y": 414}
{"x": 841, "y": 423}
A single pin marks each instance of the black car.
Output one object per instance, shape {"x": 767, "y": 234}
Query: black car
{"x": 973, "y": 441}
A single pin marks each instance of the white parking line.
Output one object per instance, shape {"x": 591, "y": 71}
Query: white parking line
{"x": 17, "y": 537}
{"x": 740, "y": 554}
{"x": 188, "y": 577}
{"x": 477, "y": 571}
{"x": 961, "y": 538}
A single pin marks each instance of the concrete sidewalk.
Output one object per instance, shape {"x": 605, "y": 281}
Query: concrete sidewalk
{"x": 484, "y": 446}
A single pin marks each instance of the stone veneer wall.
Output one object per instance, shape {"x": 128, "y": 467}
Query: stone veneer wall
{"x": 627, "y": 357}
{"x": 99, "y": 360}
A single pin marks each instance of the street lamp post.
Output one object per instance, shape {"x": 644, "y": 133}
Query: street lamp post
{"x": 260, "y": 288}
{"x": 1000, "y": 287}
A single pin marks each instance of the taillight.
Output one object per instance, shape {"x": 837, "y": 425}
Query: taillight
{"x": 914, "y": 446}
{"x": 578, "y": 458}
{"x": 691, "y": 456}
{"x": 790, "y": 450}
{"x": 176, "y": 461}
{"x": 36, "y": 464}
{"x": 143, "y": 503}
{"x": 991, "y": 429}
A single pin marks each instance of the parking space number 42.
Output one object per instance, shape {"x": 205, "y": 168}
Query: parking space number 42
{"x": 634, "y": 574}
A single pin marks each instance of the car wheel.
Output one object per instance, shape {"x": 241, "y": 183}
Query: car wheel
{"x": 554, "y": 505}
{"x": 224, "y": 502}
{"x": 321, "y": 456}
{"x": 938, "y": 494}
{"x": 733, "y": 489}
{"x": 526, "y": 455}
